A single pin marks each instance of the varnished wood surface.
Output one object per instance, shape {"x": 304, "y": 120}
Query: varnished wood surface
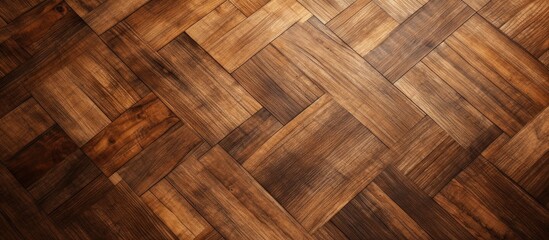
{"x": 274, "y": 119}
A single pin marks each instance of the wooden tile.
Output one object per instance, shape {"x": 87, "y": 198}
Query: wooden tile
{"x": 432, "y": 218}
{"x": 448, "y": 109}
{"x": 498, "y": 12}
{"x": 114, "y": 211}
{"x": 476, "y": 4}
{"x": 284, "y": 93}
{"x": 545, "y": 59}
{"x": 22, "y": 125}
{"x": 485, "y": 203}
{"x": 63, "y": 181}
{"x": 503, "y": 62}
{"x": 101, "y": 16}
{"x": 129, "y": 134}
{"x": 230, "y": 199}
{"x": 329, "y": 231}
{"x": 40, "y": 156}
{"x": 358, "y": 87}
{"x": 325, "y": 10}
{"x": 249, "y": 7}
{"x": 18, "y": 210}
{"x": 11, "y": 96}
{"x": 176, "y": 212}
{"x": 217, "y": 23}
{"x": 243, "y": 41}
{"x": 184, "y": 73}
{"x": 10, "y": 10}
{"x": 159, "y": 158}
{"x": 363, "y": 25}
{"x": 312, "y": 150}
{"x": 416, "y": 37}
{"x": 12, "y": 56}
{"x": 159, "y": 22}
{"x": 497, "y": 105}
{"x": 248, "y": 137}
{"x": 70, "y": 107}
{"x": 400, "y": 10}
{"x": 523, "y": 156}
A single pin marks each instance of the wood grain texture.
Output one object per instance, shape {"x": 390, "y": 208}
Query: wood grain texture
{"x": 284, "y": 93}
{"x": 129, "y": 134}
{"x": 325, "y": 10}
{"x": 299, "y": 161}
{"x": 215, "y": 182}
{"x": 417, "y": 36}
{"x": 11, "y": 10}
{"x": 358, "y": 87}
{"x": 248, "y": 7}
{"x": 400, "y": 10}
{"x": 474, "y": 132}
{"x": 243, "y": 41}
{"x": 159, "y": 22}
{"x": 363, "y": 25}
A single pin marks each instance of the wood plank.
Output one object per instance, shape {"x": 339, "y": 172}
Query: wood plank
{"x": 63, "y": 181}
{"x": 503, "y": 62}
{"x": 159, "y": 158}
{"x": 22, "y": 125}
{"x": 476, "y": 4}
{"x": 191, "y": 84}
{"x": 484, "y": 201}
{"x": 504, "y": 111}
{"x": 498, "y": 13}
{"x": 350, "y": 79}
{"x": 12, "y": 96}
{"x": 302, "y": 162}
{"x": 104, "y": 15}
{"x": 329, "y": 231}
{"x": 18, "y": 209}
{"x": 419, "y": 206}
{"x": 12, "y": 56}
{"x": 325, "y": 10}
{"x": 246, "y": 39}
{"x": 284, "y": 93}
{"x": 217, "y": 23}
{"x": 525, "y": 154}
{"x": 230, "y": 199}
{"x": 40, "y": 156}
{"x": 70, "y": 107}
{"x": 159, "y": 22}
{"x": 363, "y": 25}
{"x": 248, "y": 137}
{"x": 400, "y": 10}
{"x": 417, "y": 36}
{"x": 176, "y": 212}
{"x": 9, "y": 10}
{"x": 249, "y": 7}
{"x": 448, "y": 109}
{"x": 113, "y": 211}
{"x": 129, "y": 134}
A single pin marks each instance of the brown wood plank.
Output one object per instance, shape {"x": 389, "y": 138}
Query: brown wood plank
{"x": 243, "y": 41}
{"x": 10, "y": 10}
{"x": 17, "y": 208}
{"x": 400, "y": 10}
{"x": 40, "y": 156}
{"x": 417, "y": 36}
{"x": 284, "y": 93}
{"x": 159, "y": 158}
{"x": 159, "y": 22}
{"x": 21, "y": 126}
{"x": 528, "y": 27}
{"x": 230, "y": 199}
{"x": 12, "y": 56}
{"x": 329, "y": 231}
{"x": 299, "y": 161}
{"x": 129, "y": 134}
{"x": 476, "y": 4}
{"x": 249, "y": 7}
{"x": 357, "y": 86}
{"x": 248, "y": 137}
{"x": 325, "y": 10}
{"x": 363, "y": 25}
{"x": 63, "y": 181}
{"x": 485, "y": 202}
{"x": 448, "y": 109}
{"x": 70, "y": 107}
{"x": 498, "y": 12}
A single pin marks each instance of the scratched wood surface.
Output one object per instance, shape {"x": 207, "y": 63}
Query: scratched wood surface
{"x": 274, "y": 119}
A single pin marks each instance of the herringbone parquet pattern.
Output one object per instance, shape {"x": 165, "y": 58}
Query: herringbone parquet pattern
{"x": 274, "y": 119}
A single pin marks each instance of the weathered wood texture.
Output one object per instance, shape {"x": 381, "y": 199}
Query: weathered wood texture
{"x": 274, "y": 119}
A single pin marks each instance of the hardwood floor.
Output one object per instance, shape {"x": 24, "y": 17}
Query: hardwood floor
{"x": 274, "y": 119}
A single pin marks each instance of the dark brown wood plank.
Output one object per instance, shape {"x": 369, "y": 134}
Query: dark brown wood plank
{"x": 358, "y": 87}
{"x": 284, "y": 93}
{"x": 301, "y": 163}
{"x": 417, "y": 36}
{"x": 329, "y": 231}
{"x": 129, "y": 134}
{"x": 231, "y": 200}
{"x": 12, "y": 56}
{"x": 248, "y": 137}
{"x": 10, "y": 10}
